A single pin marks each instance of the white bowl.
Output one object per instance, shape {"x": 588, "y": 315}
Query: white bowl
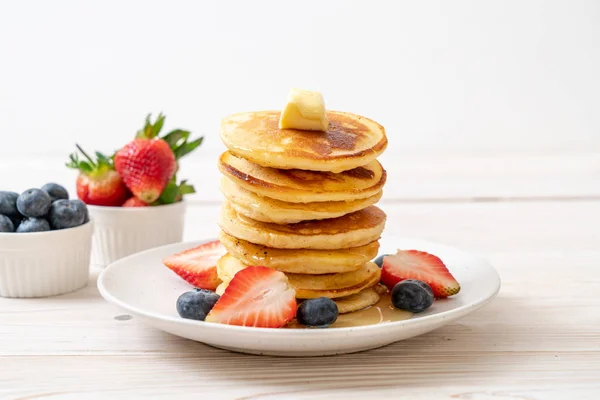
{"x": 122, "y": 231}
{"x": 45, "y": 264}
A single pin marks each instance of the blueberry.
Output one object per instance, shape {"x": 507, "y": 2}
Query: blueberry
{"x": 34, "y": 203}
{"x": 412, "y": 295}
{"x": 33, "y": 225}
{"x": 320, "y": 312}
{"x": 66, "y": 214}
{"x": 55, "y": 191}
{"x": 6, "y": 225}
{"x": 196, "y": 304}
{"x": 8, "y": 203}
{"x": 16, "y": 219}
{"x": 379, "y": 260}
{"x": 81, "y": 205}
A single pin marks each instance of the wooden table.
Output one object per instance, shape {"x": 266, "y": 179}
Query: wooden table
{"x": 535, "y": 218}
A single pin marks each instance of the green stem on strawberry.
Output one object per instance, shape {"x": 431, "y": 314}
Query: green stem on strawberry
{"x": 174, "y": 192}
{"x": 86, "y": 155}
{"x": 177, "y": 139}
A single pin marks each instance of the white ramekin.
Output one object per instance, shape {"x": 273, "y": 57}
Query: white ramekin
{"x": 121, "y": 231}
{"x": 45, "y": 264}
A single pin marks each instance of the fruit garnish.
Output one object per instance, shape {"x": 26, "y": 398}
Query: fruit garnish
{"x": 134, "y": 202}
{"x": 196, "y": 304}
{"x": 34, "y": 203}
{"x": 412, "y": 295}
{"x": 33, "y": 225}
{"x": 98, "y": 183}
{"x": 66, "y": 214}
{"x": 379, "y": 260}
{"x": 149, "y": 162}
{"x": 198, "y": 266}
{"x": 8, "y": 203}
{"x": 56, "y": 191}
{"x": 256, "y": 296}
{"x": 320, "y": 312}
{"x": 422, "y": 266}
{"x": 6, "y": 224}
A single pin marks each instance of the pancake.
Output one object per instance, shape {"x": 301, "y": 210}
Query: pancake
{"x": 228, "y": 266}
{"x": 363, "y": 299}
{"x": 351, "y": 141}
{"x": 279, "y": 212}
{"x": 302, "y": 261}
{"x": 221, "y": 288}
{"x": 322, "y": 286}
{"x": 352, "y": 230}
{"x": 299, "y": 186}
{"x": 375, "y": 276}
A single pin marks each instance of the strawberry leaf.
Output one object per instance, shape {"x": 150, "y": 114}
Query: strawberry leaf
{"x": 177, "y": 139}
{"x": 151, "y": 130}
{"x": 174, "y": 138}
{"x": 158, "y": 124}
{"x": 169, "y": 194}
{"x": 184, "y": 188}
{"x": 89, "y": 165}
{"x": 187, "y": 148}
{"x": 174, "y": 192}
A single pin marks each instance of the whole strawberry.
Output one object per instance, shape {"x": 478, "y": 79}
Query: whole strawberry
{"x": 148, "y": 163}
{"x": 134, "y": 202}
{"x": 98, "y": 183}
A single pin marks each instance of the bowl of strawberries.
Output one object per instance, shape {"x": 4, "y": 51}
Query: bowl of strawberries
{"x": 133, "y": 195}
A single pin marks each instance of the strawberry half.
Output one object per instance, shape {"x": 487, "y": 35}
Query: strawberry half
{"x": 256, "y": 296}
{"x": 98, "y": 183}
{"x": 198, "y": 266}
{"x": 414, "y": 264}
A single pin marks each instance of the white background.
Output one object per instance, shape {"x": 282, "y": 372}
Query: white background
{"x": 444, "y": 77}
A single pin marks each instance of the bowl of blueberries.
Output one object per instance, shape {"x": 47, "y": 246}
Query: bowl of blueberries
{"x": 45, "y": 242}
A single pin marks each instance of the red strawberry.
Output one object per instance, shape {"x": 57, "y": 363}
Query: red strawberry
{"x": 198, "y": 266}
{"x": 414, "y": 264}
{"x": 135, "y": 202}
{"x": 148, "y": 163}
{"x": 98, "y": 183}
{"x": 256, "y": 296}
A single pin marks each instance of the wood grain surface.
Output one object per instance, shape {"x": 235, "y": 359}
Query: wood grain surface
{"x": 539, "y": 339}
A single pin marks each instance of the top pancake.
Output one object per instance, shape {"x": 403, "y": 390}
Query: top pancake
{"x": 350, "y": 142}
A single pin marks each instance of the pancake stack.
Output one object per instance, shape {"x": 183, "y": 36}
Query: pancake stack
{"x": 302, "y": 202}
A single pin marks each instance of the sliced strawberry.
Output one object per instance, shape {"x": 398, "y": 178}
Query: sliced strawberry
{"x": 198, "y": 266}
{"x": 256, "y": 296}
{"x": 414, "y": 264}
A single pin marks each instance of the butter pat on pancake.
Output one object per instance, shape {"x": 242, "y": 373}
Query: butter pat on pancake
{"x": 300, "y": 261}
{"x": 349, "y": 142}
{"x": 266, "y": 209}
{"x": 304, "y": 109}
{"x": 297, "y": 186}
{"x": 351, "y": 230}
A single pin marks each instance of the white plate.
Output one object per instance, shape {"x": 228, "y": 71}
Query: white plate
{"x": 142, "y": 286}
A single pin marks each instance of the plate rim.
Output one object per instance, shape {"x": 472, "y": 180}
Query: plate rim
{"x": 215, "y": 327}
